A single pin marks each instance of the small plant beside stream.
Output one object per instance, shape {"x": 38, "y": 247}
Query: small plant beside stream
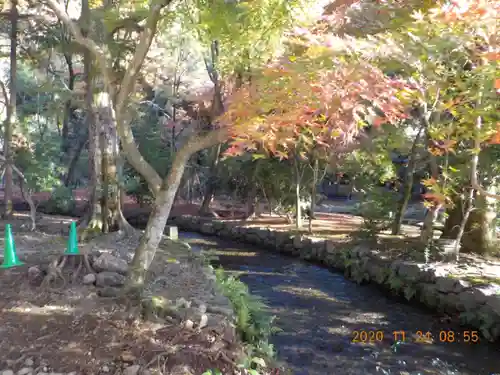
{"x": 253, "y": 324}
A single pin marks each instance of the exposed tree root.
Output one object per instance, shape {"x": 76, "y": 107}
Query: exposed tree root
{"x": 56, "y": 270}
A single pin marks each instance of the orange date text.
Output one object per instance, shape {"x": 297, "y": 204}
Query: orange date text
{"x": 363, "y": 336}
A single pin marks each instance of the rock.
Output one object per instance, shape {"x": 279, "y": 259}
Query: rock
{"x": 471, "y": 299}
{"x": 89, "y": 279}
{"x": 26, "y": 371}
{"x": 132, "y": 370}
{"x": 207, "y": 228}
{"x": 202, "y": 308}
{"x": 446, "y": 284}
{"x": 409, "y": 271}
{"x": 108, "y": 278}
{"x": 35, "y": 275}
{"x": 7, "y": 372}
{"x": 109, "y": 291}
{"x": 297, "y": 242}
{"x": 127, "y": 357}
{"x": 203, "y": 321}
{"x": 111, "y": 263}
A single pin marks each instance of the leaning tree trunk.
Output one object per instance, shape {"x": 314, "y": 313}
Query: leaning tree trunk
{"x": 153, "y": 233}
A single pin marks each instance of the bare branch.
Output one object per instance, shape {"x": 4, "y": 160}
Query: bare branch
{"x": 141, "y": 51}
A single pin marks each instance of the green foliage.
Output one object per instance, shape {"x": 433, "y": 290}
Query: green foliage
{"x": 395, "y": 283}
{"x": 39, "y": 164}
{"x": 377, "y": 209}
{"x": 253, "y": 324}
{"x": 248, "y": 33}
{"x": 61, "y": 201}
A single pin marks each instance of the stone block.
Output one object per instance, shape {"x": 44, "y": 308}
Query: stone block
{"x": 172, "y": 232}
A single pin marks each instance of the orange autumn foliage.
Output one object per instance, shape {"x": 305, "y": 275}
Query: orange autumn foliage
{"x": 289, "y": 107}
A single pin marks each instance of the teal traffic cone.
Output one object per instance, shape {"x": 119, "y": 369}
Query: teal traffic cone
{"x": 10, "y": 258}
{"x": 72, "y": 241}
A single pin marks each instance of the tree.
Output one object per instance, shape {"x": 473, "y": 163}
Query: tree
{"x": 164, "y": 190}
{"x": 312, "y": 103}
{"x": 10, "y": 121}
{"x": 451, "y": 54}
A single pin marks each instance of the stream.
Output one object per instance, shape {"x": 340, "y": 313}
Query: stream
{"x": 319, "y": 313}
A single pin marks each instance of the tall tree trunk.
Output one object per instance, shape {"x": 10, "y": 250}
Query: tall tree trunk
{"x": 298, "y": 202}
{"x": 314, "y": 192}
{"x": 408, "y": 186}
{"x": 252, "y": 196}
{"x": 74, "y": 159}
{"x": 92, "y": 218}
{"x": 212, "y": 181}
{"x": 68, "y": 109}
{"x": 11, "y": 119}
{"x": 109, "y": 149}
{"x": 479, "y": 232}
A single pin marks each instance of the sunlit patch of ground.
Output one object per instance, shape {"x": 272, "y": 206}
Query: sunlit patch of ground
{"x": 256, "y": 273}
{"x": 235, "y": 253}
{"x": 308, "y": 292}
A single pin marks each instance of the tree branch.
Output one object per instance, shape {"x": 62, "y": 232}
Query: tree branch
{"x": 129, "y": 145}
{"x": 88, "y": 43}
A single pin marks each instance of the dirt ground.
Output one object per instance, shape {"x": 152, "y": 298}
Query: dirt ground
{"x": 70, "y": 329}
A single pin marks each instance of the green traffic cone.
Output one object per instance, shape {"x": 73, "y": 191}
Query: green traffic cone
{"x": 10, "y": 258}
{"x": 72, "y": 241}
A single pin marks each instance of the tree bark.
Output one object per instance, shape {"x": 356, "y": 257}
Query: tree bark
{"x": 153, "y": 233}
{"x": 109, "y": 149}
{"x": 314, "y": 188}
{"x": 479, "y": 234}
{"x": 212, "y": 181}
{"x": 164, "y": 190}
{"x": 408, "y": 186}
{"x": 74, "y": 159}
{"x": 298, "y": 204}
{"x": 92, "y": 219}
{"x": 68, "y": 108}
{"x": 11, "y": 119}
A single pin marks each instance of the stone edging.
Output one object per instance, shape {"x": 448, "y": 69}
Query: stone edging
{"x": 478, "y": 306}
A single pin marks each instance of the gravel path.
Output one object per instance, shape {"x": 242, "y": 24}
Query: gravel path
{"x": 320, "y": 312}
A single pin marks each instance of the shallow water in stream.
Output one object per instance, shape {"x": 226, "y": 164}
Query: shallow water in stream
{"x": 320, "y": 313}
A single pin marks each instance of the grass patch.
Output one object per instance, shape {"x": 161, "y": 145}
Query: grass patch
{"x": 254, "y": 324}
{"x": 477, "y": 280}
